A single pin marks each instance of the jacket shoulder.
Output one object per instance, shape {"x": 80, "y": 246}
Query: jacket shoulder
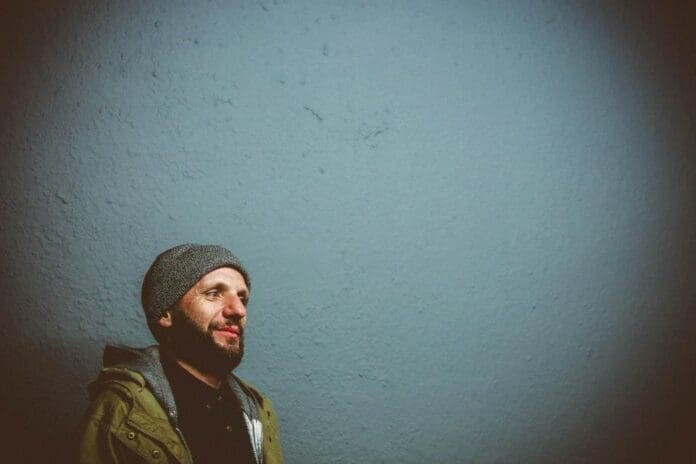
{"x": 110, "y": 376}
{"x": 125, "y": 420}
{"x": 112, "y": 395}
{"x": 128, "y": 387}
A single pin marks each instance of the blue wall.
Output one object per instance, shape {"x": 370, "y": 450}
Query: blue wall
{"x": 470, "y": 226}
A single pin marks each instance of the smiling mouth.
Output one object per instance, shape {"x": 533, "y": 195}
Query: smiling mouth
{"x": 232, "y": 331}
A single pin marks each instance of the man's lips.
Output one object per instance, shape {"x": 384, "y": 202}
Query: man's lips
{"x": 231, "y": 330}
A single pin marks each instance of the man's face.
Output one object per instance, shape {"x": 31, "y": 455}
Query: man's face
{"x": 207, "y": 327}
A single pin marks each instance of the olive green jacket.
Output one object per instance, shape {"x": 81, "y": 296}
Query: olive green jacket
{"x": 132, "y": 416}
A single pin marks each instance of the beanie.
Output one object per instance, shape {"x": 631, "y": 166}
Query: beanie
{"x": 178, "y": 269}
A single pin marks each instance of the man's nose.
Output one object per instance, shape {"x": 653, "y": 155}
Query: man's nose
{"x": 234, "y": 307}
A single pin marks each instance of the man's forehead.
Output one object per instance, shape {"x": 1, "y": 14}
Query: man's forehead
{"x": 225, "y": 274}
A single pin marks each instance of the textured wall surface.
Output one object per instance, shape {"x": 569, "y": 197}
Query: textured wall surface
{"x": 470, "y": 225}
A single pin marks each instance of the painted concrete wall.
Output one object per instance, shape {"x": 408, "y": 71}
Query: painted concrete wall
{"x": 470, "y": 225}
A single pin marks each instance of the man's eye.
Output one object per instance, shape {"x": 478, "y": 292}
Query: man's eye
{"x": 212, "y": 293}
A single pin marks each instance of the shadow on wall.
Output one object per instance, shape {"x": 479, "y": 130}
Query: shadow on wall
{"x": 40, "y": 374}
{"x": 657, "y": 425}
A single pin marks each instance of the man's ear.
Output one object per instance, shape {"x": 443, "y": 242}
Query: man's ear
{"x": 165, "y": 319}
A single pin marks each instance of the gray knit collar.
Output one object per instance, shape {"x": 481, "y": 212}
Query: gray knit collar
{"x": 147, "y": 362}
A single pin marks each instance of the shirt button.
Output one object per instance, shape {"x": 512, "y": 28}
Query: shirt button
{"x": 131, "y": 435}
{"x": 155, "y": 453}
{"x": 228, "y": 428}
{"x": 208, "y": 406}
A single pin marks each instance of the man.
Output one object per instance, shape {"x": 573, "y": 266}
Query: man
{"x": 179, "y": 401}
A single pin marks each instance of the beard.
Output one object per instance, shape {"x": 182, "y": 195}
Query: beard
{"x": 197, "y": 346}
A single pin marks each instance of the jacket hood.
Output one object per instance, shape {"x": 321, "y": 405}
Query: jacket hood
{"x": 146, "y": 362}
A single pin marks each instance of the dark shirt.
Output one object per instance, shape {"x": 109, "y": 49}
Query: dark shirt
{"x": 210, "y": 419}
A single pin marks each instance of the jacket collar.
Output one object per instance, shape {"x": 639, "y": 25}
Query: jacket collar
{"x": 147, "y": 362}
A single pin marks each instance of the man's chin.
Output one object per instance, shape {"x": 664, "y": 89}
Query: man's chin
{"x": 231, "y": 352}
{"x": 226, "y": 344}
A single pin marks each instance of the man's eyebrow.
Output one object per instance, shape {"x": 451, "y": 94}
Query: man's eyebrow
{"x": 222, "y": 284}
{"x": 212, "y": 284}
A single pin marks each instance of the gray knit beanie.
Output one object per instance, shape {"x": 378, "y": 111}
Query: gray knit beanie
{"x": 178, "y": 269}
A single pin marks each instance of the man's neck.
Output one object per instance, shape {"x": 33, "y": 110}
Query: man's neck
{"x": 211, "y": 380}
